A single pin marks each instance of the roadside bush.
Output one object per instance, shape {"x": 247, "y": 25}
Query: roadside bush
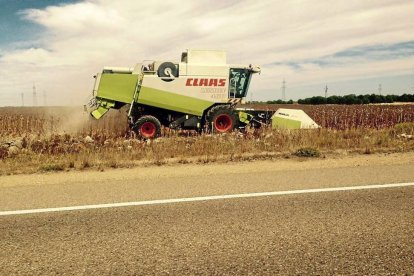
{"x": 307, "y": 152}
{"x": 407, "y": 128}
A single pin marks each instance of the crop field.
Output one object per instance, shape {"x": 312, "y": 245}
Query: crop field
{"x": 18, "y": 121}
{"x": 21, "y": 121}
{"x": 65, "y": 138}
{"x": 353, "y": 116}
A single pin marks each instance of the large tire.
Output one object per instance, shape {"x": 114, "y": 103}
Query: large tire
{"x": 167, "y": 70}
{"x": 221, "y": 119}
{"x": 147, "y": 127}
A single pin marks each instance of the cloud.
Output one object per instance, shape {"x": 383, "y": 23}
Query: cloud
{"x": 75, "y": 19}
{"x": 378, "y": 52}
{"x": 360, "y": 54}
{"x": 30, "y": 56}
{"x": 304, "y": 41}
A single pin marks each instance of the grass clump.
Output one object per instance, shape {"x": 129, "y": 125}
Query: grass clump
{"x": 85, "y": 164}
{"x": 52, "y": 167}
{"x": 406, "y": 128}
{"x": 307, "y": 152}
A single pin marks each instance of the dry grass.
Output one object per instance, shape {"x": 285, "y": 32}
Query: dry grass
{"x": 65, "y": 152}
{"x": 54, "y": 140}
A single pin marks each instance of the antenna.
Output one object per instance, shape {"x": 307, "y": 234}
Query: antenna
{"x": 380, "y": 89}
{"x": 34, "y": 95}
{"x": 284, "y": 90}
{"x": 326, "y": 91}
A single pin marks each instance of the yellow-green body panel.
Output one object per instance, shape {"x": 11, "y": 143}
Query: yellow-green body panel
{"x": 172, "y": 101}
{"x": 99, "y": 112}
{"x": 121, "y": 88}
{"x": 278, "y": 122}
{"x": 245, "y": 117}
{"x": 117, "y": 87}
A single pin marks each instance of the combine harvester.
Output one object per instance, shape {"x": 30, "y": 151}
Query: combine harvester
{"x": 200, "y": 93}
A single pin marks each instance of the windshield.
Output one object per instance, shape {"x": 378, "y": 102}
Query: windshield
{"x": 239, "y": 82}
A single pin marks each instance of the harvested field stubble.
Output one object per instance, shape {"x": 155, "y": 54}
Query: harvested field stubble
{"x": 40, "y": 121}
{"x": 60, "y": 139}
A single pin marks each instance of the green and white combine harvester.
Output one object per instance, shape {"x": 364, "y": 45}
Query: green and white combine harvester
{"x": 200, "y": 92}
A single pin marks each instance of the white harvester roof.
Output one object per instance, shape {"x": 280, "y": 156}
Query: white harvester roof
{"x": 207, "y": 57}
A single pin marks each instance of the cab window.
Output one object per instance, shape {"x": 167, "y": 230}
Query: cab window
{"x": 239, "y": 81}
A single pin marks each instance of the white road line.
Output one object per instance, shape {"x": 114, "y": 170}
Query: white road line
{"x": 202, "y": 198}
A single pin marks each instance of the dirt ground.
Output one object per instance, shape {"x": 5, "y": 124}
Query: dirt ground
{"x": 192, "y": 170}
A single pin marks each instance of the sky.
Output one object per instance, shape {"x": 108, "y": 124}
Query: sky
{"x": 349, "y": 46}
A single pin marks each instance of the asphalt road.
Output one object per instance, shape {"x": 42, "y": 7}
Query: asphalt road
{"x": 342, "y": 232}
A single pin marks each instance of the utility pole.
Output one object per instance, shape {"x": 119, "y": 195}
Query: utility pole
{"x": 284, "y": 90}
{"x": 44, "y": 98}
{"x": 34, "y": 95}
{"x": 380, "y": 89}
{"x": 22, "y": 95}
{"x": 326, "y": 91}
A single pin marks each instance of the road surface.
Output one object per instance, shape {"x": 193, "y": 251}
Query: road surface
{"x": 336, "y": 230}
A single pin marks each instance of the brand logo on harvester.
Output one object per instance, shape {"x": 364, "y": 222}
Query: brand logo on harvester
{"x": 205, "y": 82}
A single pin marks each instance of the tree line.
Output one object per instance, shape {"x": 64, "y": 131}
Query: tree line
{"x": 347, "y": 99}
{"x": 358, "y": 99}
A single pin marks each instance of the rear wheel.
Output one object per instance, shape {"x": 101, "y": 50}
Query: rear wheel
{"x": 221, "y": 119}
{"x": 147, "y": 127}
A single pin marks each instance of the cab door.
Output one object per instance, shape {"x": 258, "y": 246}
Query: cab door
{"x": 239, "y": 80}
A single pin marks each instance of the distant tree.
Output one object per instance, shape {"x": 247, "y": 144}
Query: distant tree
{"x": 406, "y": 98}
{"x": 317, "y": 100}
{"x": 360, "y": 99}
{"x": 332, "y": 100}
{"x": 280, "y": 102}
{"x": 389, "y": 99}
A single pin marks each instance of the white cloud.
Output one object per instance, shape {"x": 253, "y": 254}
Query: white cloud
{"x": 31, "y": 56}
{"x": 79, "y": 39}
{"x": 75, "y": 19}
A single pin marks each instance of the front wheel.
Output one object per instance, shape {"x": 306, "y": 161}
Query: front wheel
{"x": 147, "y": 127}
{"x": 221, "y": 119}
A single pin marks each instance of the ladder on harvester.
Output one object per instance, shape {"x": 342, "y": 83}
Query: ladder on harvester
{"x": 137, "y": 89}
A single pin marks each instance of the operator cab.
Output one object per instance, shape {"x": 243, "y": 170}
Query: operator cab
{"x": 239, "y": 80}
